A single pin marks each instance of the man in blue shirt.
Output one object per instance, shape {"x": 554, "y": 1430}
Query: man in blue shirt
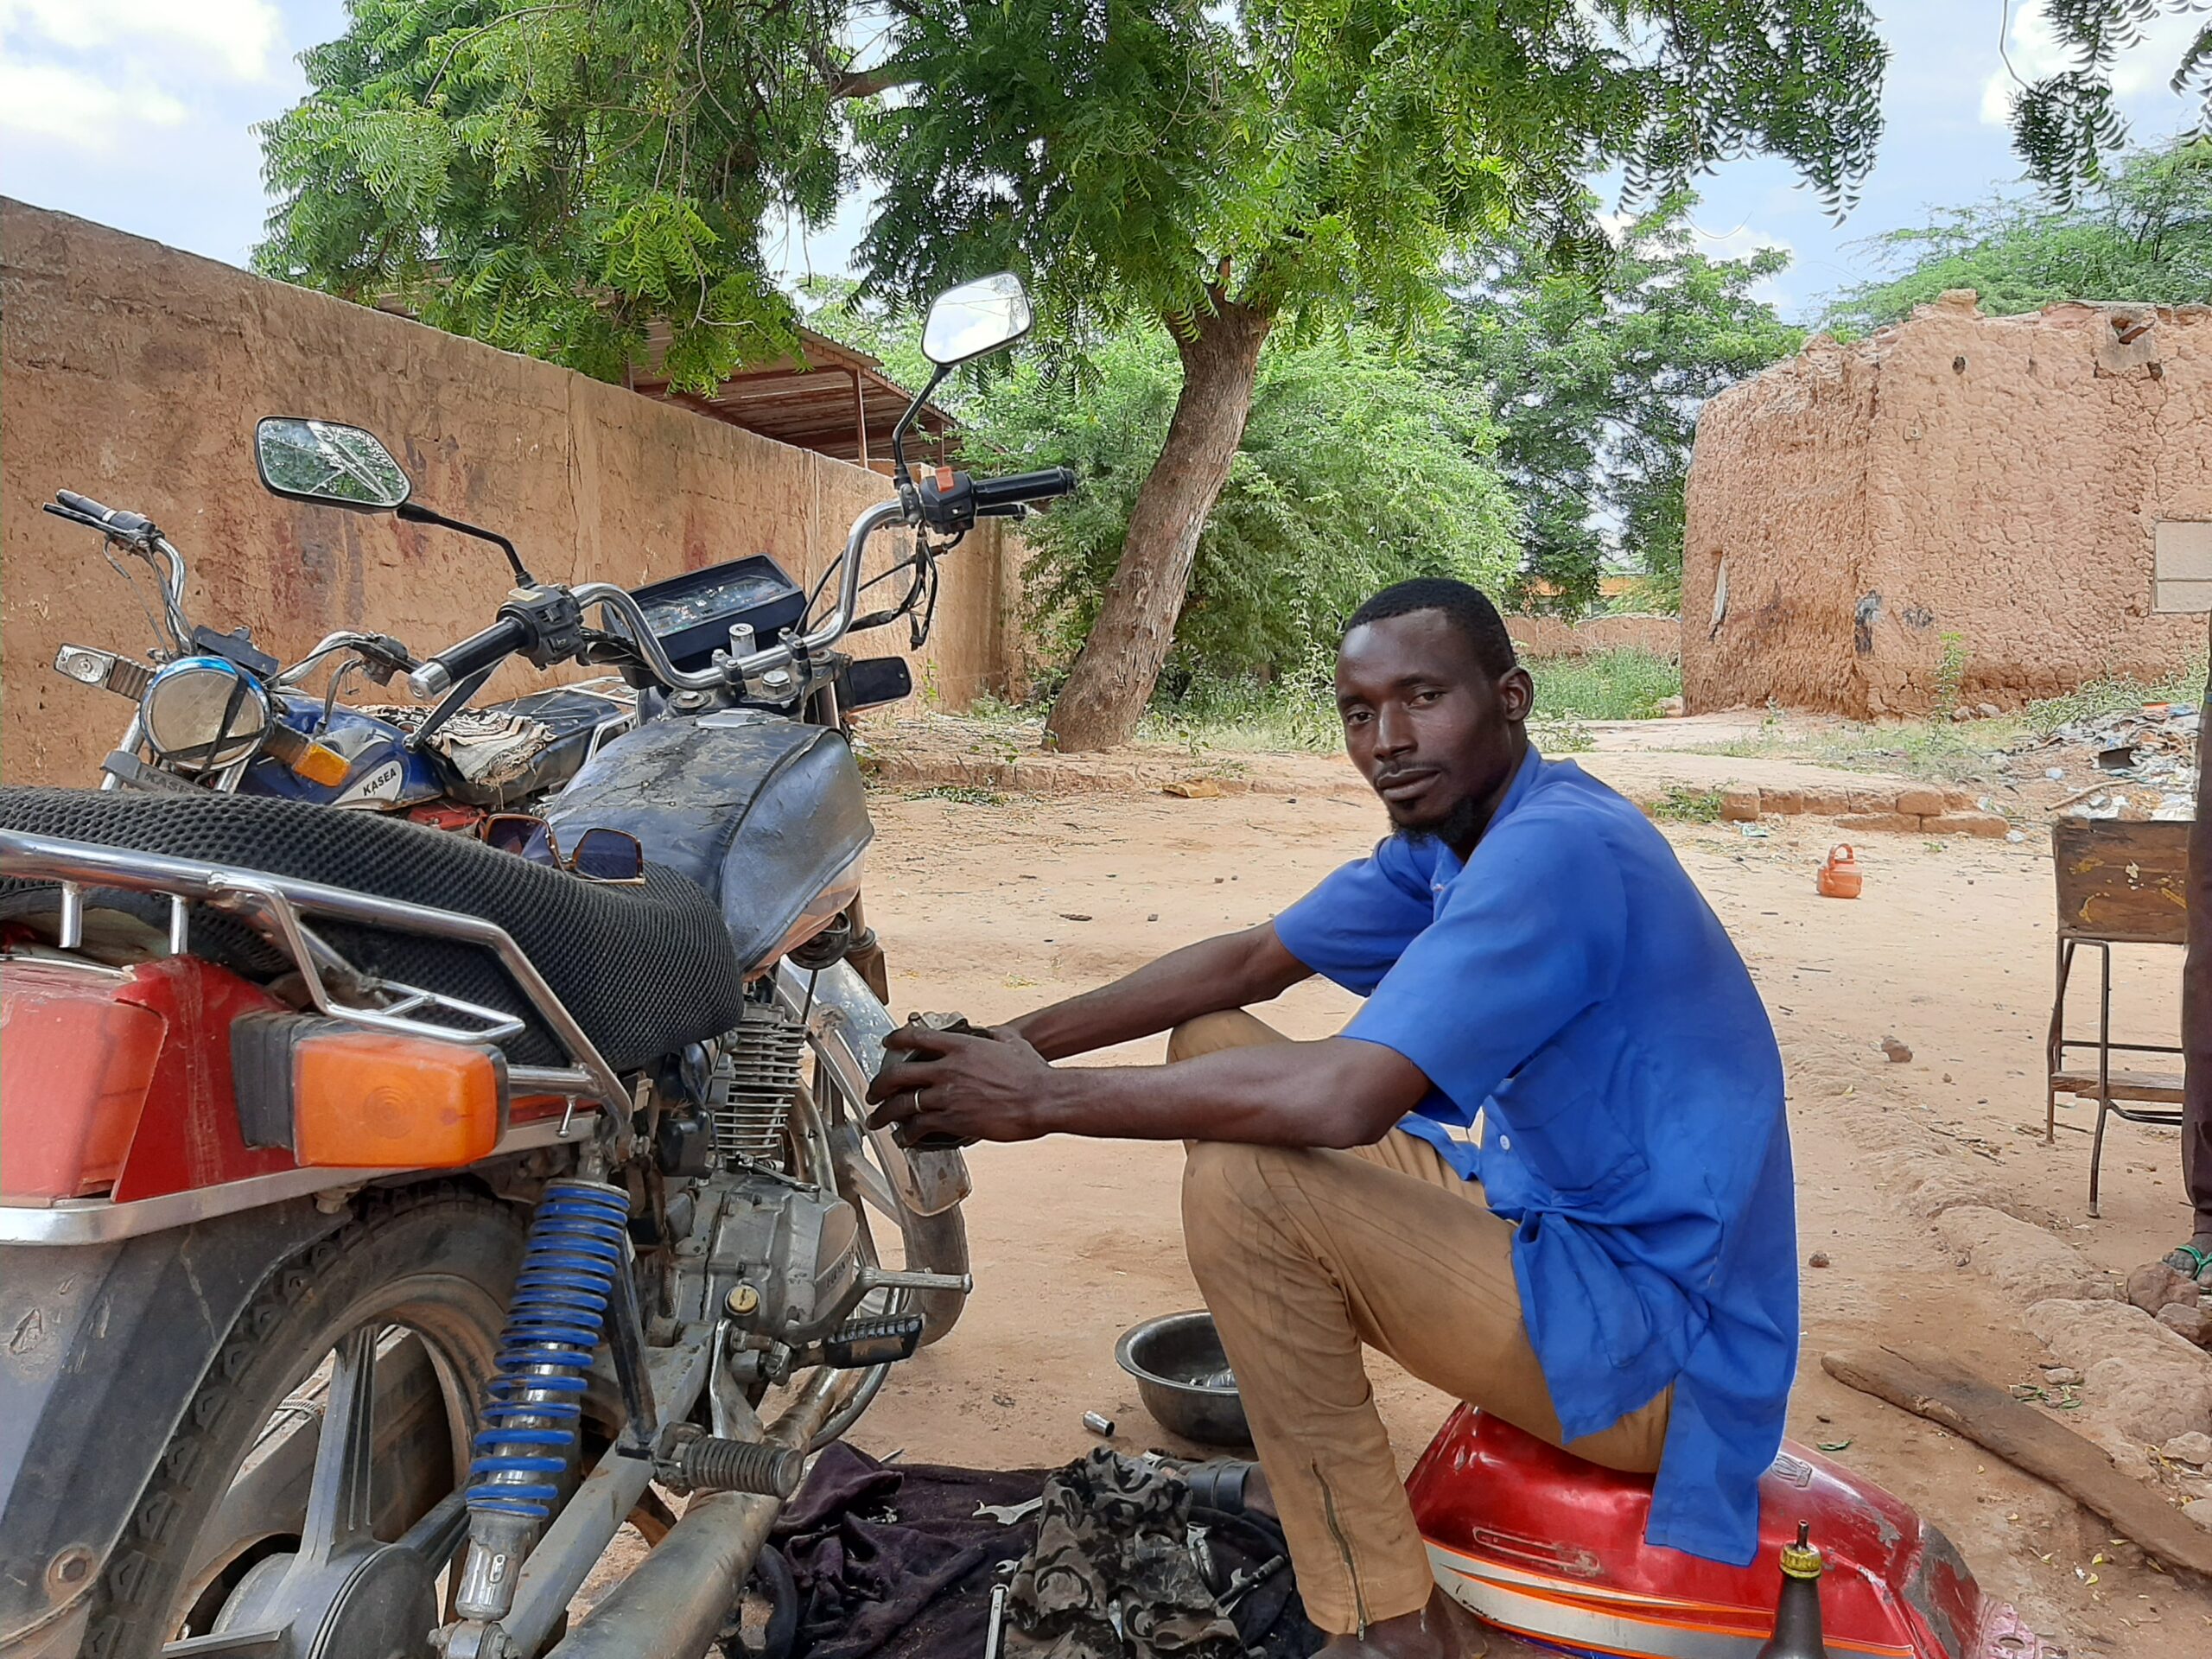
{"x": 1611, "y": 1266}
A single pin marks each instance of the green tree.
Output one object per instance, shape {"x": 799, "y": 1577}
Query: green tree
{"x": 2143, "y": 232}
{"x": 1595, "y": 372}
{"x": 1217, "y": 171}
{"x": 1355, "y": 470}
{"x": 2065, "y": 125}
{"x": 559, "y": 177}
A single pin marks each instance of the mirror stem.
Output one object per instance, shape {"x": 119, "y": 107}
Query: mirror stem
{"x": 415, "y": 514}
{"x": 904, "y": 476}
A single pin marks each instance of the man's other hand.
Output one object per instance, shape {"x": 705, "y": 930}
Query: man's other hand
{"x": 939, "y": 1083}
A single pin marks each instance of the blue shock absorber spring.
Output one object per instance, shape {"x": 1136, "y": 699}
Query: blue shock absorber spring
{"x": 568, "y": 1268}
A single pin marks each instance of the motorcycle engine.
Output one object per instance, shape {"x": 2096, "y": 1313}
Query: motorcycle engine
{"x": 782, "y": 1256}
{"x": 749, "y": 1094}
{"x": 795, "y": 1248}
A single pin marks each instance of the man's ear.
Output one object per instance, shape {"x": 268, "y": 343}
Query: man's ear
{"x": 1516, "y": 693}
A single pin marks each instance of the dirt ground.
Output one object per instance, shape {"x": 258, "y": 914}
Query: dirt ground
{"x": 996, "y": 906}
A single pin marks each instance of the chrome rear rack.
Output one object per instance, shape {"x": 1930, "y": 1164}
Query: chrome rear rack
{"x": 275, "y": 906}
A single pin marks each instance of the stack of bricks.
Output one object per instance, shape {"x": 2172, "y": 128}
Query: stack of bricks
{"x": 1920, "y": 809}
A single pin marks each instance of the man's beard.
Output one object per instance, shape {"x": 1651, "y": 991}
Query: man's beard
{"x": 1459, "y": 827}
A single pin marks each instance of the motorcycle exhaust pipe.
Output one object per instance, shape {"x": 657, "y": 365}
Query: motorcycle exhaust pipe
{"x": 673, "y": 1605}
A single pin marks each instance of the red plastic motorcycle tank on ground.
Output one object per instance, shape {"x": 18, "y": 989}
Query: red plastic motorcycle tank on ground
{"x": 1551, "y": 1548}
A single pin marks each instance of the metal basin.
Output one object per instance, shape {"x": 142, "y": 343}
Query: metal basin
{"x": 1170, "y": 1357}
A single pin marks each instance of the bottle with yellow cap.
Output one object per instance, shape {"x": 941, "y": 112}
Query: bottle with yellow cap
{"x": 1797, "y": 1615}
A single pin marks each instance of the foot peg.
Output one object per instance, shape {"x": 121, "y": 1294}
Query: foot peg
{"x": 859, "y": 1343}
{"x": 699, "y": 1462}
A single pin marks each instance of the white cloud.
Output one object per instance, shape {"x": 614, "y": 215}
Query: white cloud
{"x": 2140, "y": 73}
{"x": 240, "y": 38}
{"x": 45, "y": 100}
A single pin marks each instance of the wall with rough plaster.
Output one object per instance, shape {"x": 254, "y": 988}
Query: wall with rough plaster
{"x": 1996, "y": 480}
{"x": 133, "y": 374}
{"x": 1555, "y": 636}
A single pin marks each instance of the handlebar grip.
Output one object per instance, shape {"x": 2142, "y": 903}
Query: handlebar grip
{"x": 503, "y": 639}
{"x": 1023, "y": 487}
{"x": 114, "y": 518}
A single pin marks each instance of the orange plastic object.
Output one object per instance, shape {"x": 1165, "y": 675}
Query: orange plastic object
{"x": 75, "y": 1066}
{"x": 361, "y": 1100}
{"x": 1840, "y": 877}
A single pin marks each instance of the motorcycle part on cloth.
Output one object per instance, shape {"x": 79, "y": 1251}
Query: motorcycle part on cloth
{"x": 765, "y": 813}
{"x": 645, "y": 969}
{"x": 1112, "y": 1574}
{"x": 897, "y": 1561}
{"x": 1539, "y": 1543}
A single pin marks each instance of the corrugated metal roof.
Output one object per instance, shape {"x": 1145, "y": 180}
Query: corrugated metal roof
{"x": 834, "y": 399}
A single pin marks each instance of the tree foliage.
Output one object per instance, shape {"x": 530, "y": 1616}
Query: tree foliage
{"x": 1596, "y": 373}
{"x": 558, "y": 178}
{"x": 1356, "y": 470}
{"x": 2143, "y": 232}
{"x": 1148, "y": 159}
{"x": 2065, "y": 125}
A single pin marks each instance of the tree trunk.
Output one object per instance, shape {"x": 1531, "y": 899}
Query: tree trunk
{"x": 1115, "y": 672}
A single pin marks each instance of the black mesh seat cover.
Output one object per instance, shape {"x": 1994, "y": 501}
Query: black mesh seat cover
{"x": 644, "y": 969}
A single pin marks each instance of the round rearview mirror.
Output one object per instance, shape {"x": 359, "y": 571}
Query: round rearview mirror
{"x": 975, "y": 319}
{"x": 323, "y": 461}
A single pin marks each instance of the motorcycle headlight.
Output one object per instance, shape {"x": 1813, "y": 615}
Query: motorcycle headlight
{"x": 202, "y": 714}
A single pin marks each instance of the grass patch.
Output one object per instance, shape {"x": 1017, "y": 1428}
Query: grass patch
{"x": 1623, "y": 685}
{"x": 2113, "y": 696}
{"x": 1682, "y": 804}
{"x": 961, "y": 794}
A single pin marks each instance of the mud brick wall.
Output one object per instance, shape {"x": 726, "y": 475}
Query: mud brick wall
{"x": 2001, "y": 479}
{"x": 133, "y": 374}
{"x": 1553, "y": 636}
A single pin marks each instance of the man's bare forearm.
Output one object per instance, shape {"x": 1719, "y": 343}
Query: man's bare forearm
{"x": 1228, "y": 971}
{"x": 1330, "y": 1093}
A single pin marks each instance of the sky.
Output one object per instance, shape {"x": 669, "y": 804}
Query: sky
{"x": 139, "y": 114}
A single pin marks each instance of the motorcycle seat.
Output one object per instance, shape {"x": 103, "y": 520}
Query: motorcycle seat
{"x": 644, "y": 970}
{"x": 768, "y": 815}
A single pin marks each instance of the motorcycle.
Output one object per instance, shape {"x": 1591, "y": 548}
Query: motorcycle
{"x": 211, "y": 710}
{"x": 386, "y": 1218}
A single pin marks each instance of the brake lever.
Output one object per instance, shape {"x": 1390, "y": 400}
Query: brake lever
{"x": 74, "y": 516}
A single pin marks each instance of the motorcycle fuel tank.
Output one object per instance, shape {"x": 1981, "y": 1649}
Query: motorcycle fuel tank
{"x": 1550, "y": 1547}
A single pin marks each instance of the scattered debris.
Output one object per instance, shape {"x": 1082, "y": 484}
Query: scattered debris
{"x": 2062, "y": 1376}
{"x": 1073, "y": 916}
{"x": 1818, "y": 1259}
{"x": 1898, "y": 1053}
{"x": 2153, "y": 746}
{"x": 1098, "y": 1424}
{"x": 1192, "y": 789}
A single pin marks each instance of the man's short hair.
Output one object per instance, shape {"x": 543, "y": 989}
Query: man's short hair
{"x": 1465, "y": 609}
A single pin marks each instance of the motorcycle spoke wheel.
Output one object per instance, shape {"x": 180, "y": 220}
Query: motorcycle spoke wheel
{"x": 310, "y": 1495}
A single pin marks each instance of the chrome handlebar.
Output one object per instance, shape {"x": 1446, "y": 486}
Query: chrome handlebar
{"x": 432, "y": 679}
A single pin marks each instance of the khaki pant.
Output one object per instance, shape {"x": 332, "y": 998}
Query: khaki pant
{"x": 1305, "y": 1254}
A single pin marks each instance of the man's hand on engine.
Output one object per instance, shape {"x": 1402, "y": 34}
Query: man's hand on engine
{"x": 941, "y": 1088}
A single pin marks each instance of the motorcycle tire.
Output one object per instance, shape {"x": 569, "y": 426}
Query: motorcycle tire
{"x": 438, "y": 1259}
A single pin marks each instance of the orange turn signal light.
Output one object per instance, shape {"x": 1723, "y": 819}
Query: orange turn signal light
{"x": 341, "y": 1098}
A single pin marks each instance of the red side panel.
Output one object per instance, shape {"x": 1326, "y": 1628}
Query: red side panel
{"x": 1544, "y": 1544}
{"x": 188, "y": 1136}
{"x": 76, "y": 1063}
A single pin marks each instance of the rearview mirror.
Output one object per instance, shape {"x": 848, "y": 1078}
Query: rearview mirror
{"x": 323, "y": 461}
{"x": 975, "y": 319}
